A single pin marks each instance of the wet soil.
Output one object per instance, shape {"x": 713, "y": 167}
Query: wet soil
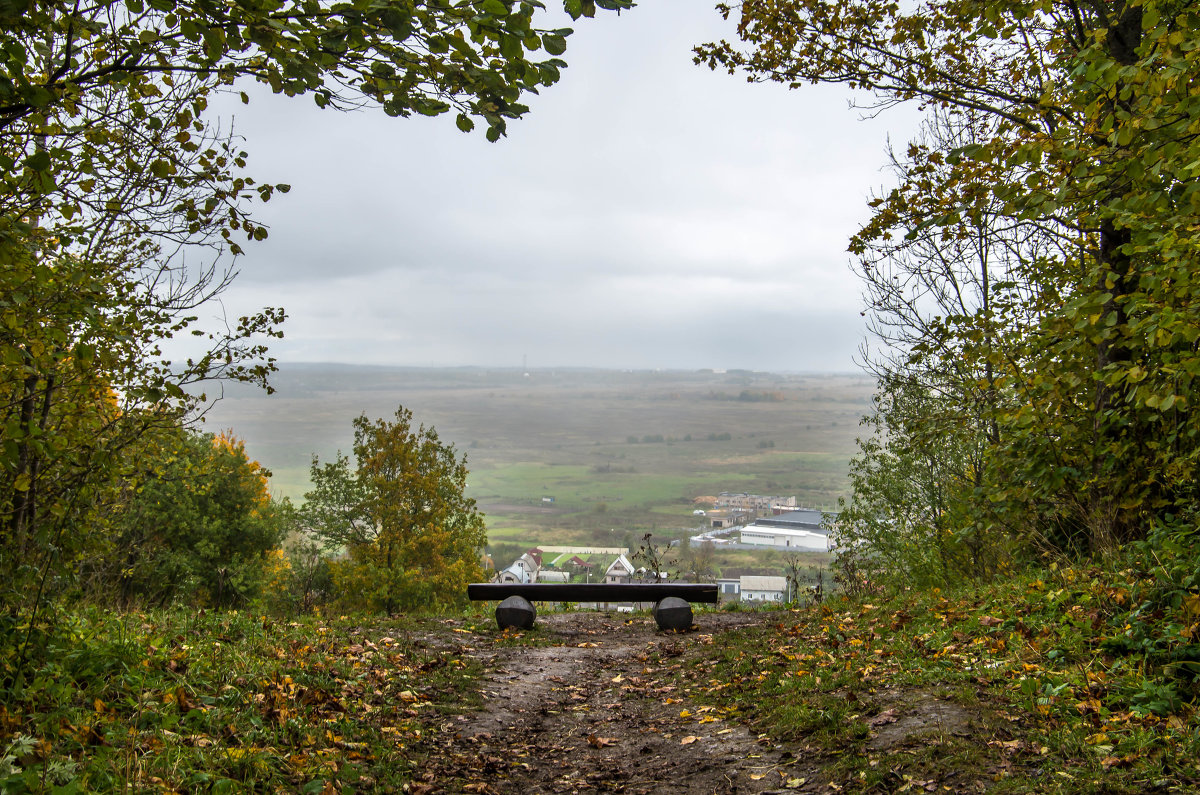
{"x": 595, "y": 702}
{"x": 599, "y": 710}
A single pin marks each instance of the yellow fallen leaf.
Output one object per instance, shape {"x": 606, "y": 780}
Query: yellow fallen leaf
{"x": 685, "y": 714}
{"x": 691, "y": 738}
{"x": 757, "y": 776}
{"x": 618, "y": 678}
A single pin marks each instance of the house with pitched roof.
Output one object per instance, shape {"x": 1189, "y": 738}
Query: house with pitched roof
{"x": 620, "y": 570}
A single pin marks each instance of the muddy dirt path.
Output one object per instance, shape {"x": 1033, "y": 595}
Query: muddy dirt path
{"x": 599, "y": 710}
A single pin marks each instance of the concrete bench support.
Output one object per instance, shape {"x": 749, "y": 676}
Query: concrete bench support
{"x": 515, "y": 612}
{"x": 673, "y": 613}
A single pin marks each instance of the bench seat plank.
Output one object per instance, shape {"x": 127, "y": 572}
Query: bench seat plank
{"x": 594, "y": 592}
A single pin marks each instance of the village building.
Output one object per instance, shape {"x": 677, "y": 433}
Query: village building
{"x": 524, "y": 569}
{"x": 728, "y": 518}
{"x": 785, "y": 538}
{"x": 756, "y": 588}
{"x": 620, "y": 570}
{"x": 755, "y": 503}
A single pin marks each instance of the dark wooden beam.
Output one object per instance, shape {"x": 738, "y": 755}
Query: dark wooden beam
{"x": 594, "y": 592}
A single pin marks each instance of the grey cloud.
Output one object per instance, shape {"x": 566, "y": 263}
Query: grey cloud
{"x": 647, "y": 213}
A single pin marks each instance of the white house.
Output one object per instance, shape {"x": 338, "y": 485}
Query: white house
{"x": 621, "y": 570}
{"x": 756, "y": 588}
{"x": 524, "y": 569}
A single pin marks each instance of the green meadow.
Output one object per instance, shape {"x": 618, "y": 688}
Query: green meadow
{"x": 575, "y": 456}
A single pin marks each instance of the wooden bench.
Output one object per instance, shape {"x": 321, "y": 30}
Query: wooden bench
{"x": 671, "y": 599}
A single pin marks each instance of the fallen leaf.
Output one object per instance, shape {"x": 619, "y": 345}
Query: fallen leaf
{"x": 601, "y": 742}
{"x": 888, "y": 716}
{"x": 691, "y": 738}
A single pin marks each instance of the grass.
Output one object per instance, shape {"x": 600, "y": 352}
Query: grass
{"x": 176, "y": 702}
{"x": 565, "y": 434}
{"x": 1065, "y": 680}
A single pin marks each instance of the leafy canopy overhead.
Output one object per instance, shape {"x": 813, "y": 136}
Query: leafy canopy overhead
{"x": 409, "y": 57}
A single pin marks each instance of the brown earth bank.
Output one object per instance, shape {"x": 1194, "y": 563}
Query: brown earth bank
{"x": 596, "y": 702}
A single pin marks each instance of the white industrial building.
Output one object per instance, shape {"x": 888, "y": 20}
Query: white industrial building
{"x": 785, "y": 537}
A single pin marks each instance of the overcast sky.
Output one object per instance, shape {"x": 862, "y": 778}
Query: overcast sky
{"x": 646, "y": 213}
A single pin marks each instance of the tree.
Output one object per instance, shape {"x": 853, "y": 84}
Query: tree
{"x": 299, "y": 580}
{"x": 1083, "y": 112}
{"x": 100, "y": 100}
{"x": 798, "y": 574}
{"x": 943, "y": 306}
{"x": 425, "y": 57}
{"x": 913, "y": 519}
{"x": 699, "y": 564}
{"x": 119, "y": 197}
{"x": 79, "y": 385}
{"x": 197, "y": 524}
{"x": 413, "y": 539}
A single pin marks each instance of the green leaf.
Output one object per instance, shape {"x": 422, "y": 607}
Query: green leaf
{"x": 39, "y": 161}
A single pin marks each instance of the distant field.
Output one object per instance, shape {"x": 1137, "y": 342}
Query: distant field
{"x": 620, "y": 453}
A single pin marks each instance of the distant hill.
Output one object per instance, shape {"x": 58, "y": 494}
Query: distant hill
{"x": 553, "y": 419}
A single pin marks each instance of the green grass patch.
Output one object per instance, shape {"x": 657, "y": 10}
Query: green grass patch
{"x": 176, "y": 701}
{"x": 1075, "y": 680}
